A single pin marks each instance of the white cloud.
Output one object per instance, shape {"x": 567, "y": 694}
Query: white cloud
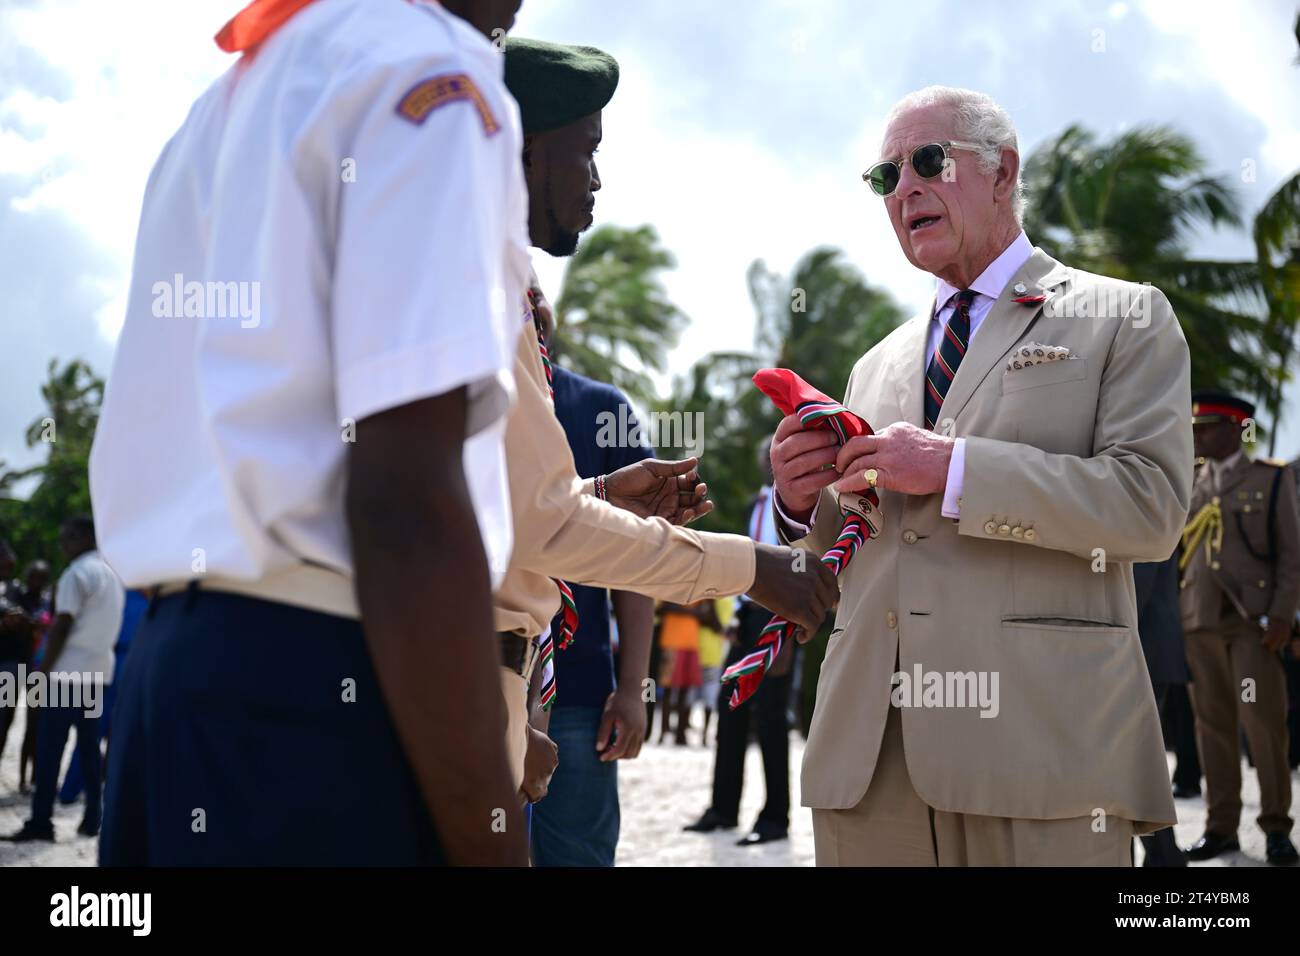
{"x": 737, "y": 135}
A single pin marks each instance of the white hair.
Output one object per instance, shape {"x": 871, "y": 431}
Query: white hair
{"x": 979, "y": 120}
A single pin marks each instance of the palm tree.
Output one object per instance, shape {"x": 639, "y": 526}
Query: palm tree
{"x": 72, "y": 396}
{"x": 1277, "y": 249}
{"x": 614, "y": 319}
{"x": 1130, "y": 208}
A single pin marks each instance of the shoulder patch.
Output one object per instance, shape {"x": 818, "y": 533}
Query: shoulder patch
{"x": 427, "y": 95}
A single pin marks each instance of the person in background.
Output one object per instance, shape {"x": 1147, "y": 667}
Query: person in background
{"x": 598, "y": 718}
{"x": 35, "y": 601}
{"x": 1240, "y": 593}
{"x": 136, "y": 604}
{"x": 88, "y": 604}
{"x": 15, "y": 636}
{"x": 1161, "y": 632}
{"x": 679, "y": 636}
{"x": 715, "y": 622}
{"x": 768, "y": 708}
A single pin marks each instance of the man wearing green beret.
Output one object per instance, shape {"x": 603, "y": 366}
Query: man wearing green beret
{"x": 618, "y": 530}
{"x": 561, "y": 91}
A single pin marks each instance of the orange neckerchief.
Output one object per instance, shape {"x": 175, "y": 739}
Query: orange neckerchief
{"x": 251, "y": 26}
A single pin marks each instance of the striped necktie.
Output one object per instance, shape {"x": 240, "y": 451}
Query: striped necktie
{"x": 568, "y": 615}
{"x": 947, "y": 357}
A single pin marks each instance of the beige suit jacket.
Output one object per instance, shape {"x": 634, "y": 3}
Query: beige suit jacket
{"x": 561, "y": 530}
{"x": 1065, "y": 463}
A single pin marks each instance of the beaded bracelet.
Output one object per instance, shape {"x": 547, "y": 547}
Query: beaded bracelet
{"x": 601, "y": 493}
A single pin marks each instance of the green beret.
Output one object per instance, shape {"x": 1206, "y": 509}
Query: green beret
{"x": 555, "y": 83}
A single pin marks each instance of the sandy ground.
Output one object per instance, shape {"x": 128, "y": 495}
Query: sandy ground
{"x": 661, "y": 791}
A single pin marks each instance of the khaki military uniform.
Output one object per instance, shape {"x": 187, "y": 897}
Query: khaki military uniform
{"x": 1230, "y": 580}
{"x": 561, "y": 530}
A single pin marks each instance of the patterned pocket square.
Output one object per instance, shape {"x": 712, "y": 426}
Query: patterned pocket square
{"x": 1031, "y": 353}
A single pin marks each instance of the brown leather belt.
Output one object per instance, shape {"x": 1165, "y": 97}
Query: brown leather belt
{"x": 518, "y": 653}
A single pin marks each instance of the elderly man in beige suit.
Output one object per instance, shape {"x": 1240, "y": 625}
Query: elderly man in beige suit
{"x": 984, "y": 699}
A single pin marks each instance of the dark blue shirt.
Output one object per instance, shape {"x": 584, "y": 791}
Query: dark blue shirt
{"x": 588, "y": 410}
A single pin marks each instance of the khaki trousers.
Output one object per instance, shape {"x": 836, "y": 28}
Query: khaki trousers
{"x": 893, "y": 826}
{"x": 515, "y": 690}
{"x": 1222, "y": 659}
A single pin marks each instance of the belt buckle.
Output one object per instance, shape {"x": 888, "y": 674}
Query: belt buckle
{"x": 531, "y": 658}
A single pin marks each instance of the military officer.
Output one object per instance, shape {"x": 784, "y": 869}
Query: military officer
{"x": 1240, "y": 591}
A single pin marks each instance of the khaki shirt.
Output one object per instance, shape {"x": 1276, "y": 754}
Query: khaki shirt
{"x": 1240, "y": 572}
{"x": 562, "y": 530}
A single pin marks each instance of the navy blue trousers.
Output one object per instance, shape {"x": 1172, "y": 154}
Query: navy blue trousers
{"x": 253, "y": 733}
{"x": 51, "y": 739}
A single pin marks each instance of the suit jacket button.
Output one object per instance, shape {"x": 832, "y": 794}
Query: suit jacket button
{"x": 1263, "y": 584}
{"x": 909, "y": 536}
{"x": 1214, "y": 565}
{"x": 1030, "y": 534}
{"x": 892, "y": 620}
{"x": 990, "y": 527}
{"x": 1004, "y": 530}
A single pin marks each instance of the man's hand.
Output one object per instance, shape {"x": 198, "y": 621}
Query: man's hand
{"x": 907, "y": 459}
{"x": 624, "y": 716}
{"x": 1277, "y": 634}
{"x": 540, "y": 761}
{"x": 802, "y": 597}
{"x": 671, "y": 490}
{"x": 803, "y": 463}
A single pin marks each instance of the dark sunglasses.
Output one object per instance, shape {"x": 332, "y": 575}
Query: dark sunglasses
{"x": 927, "y": 160}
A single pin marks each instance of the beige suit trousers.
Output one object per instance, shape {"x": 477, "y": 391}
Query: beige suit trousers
{"x": 893, "y": 826}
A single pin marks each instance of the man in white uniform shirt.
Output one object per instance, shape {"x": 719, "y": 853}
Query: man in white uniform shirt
{"x": 302, "y": 423}
{"x": 88, "y": 604}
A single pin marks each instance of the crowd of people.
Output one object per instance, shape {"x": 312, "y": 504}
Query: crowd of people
{"x": 383, "y": 491}
{"x": 60, "y": 650}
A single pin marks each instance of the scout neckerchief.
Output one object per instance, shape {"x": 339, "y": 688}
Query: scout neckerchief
{"x": 249, "y": 28}
{"x": 568, "y": 608}
{"x": 794, "y": 396}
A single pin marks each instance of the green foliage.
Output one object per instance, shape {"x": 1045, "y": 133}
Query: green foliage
{"x": 72, "y": 396}
{"x": 614, "y": 320}
{"x": 1129, "y": 208}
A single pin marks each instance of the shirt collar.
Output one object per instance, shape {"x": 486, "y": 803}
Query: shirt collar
{"x": 1223, "y": 467}
{"x": 994, "y": 279}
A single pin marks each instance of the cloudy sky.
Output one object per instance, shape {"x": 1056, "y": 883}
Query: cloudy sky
{"x": 739, "y": 130}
